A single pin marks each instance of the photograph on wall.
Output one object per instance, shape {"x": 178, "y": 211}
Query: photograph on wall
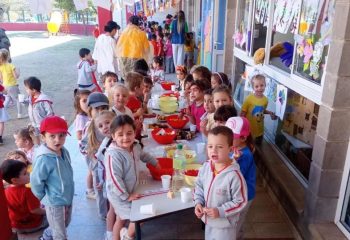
{"x": 281, "y": 101}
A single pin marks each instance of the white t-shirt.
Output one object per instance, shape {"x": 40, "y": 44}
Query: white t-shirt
{"x": 104, "y": 54}
{"x": 126, "y": 112}
{"x": 80, "y": 122}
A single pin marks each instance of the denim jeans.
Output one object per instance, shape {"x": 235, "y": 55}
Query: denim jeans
{"x": 59, "y": 218}
{"x": 169, "y": 65}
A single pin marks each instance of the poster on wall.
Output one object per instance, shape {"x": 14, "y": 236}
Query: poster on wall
{"x": 281, "y": 101}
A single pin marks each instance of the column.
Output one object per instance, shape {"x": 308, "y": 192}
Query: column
{"x": 333, "y": 130}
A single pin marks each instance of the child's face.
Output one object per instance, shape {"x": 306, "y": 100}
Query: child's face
{"x": 88, "y": 56}
{"x": 221, "y": 99}
{"x": 155, "y": 65}
{"x": 196, "y": 94}
{"x": 218, "y": 148}
{"x": 259, "y": 87}
{"x": 103, "y": 124}
{"x": 139, "y": 90}
{"x": 120, "y": 97}
{"x": 29, "y": 91}
{"x": 97, "y": 110}
{"x": 83, "y": 103}
{"x": 109, "y": 83}
{"x": 239, "y": 142}
{"x": 196, "y": 76}
{"x": 180, "y": 75}
{"x": 147, "y": 88}
{"x": 208, "y": 103}
{"x": 22, "y": 179}
{"x": 214, "y": 82}
{"x": 124, "y": 137}
{"x": 54, "y": 141}
{"x": 219, "y": 123}
{"x": 20, "y": 142}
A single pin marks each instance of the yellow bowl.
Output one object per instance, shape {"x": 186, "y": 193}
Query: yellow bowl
{"x": 168, "y": 107}
{"x": 167, "y": 99}
{"x": 191, "y": 180}
{"x": 190, "y": 155}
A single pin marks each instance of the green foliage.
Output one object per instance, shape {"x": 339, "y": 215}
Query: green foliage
{"x": 67, "y": 5}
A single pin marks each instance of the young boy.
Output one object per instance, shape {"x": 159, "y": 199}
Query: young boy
{"x": 86, "y": 71}
{"x": 25, "y": 212}
{"x": 223, "y": 113}
{"x": 40, "y": 105}
{"x": 134, "y": 82}
{"x": 147, "y": 88}
{"x": 220, "y": 192}
{"x": 109, "y": 79}
{"x": 254, "y": 108}
{"x": 52, "y": 176}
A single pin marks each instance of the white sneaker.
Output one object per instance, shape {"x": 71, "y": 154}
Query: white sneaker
{"x": 90, "y": 195}
{"x": 124, "y": 234}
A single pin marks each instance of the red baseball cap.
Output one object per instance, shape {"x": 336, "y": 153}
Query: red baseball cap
{"x": 239, "y": 125}
{"x": 54, "y": 124}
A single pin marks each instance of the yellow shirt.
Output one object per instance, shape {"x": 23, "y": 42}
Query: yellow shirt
{"x": 133, "y": 43}
{"x": 7, "y": 73}
{"x": 189, "y": 48}
{"x": 254, "y": 108}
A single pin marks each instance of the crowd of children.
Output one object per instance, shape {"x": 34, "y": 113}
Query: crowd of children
{"x": 108, "y": 123}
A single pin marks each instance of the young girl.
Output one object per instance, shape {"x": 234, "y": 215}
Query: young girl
{"x": 220, "y": 193}
{"x": 223, "y": 113}
{"x": 24, "y": 142}
{"x": 254, "y": 108}
{"x": 81, "y": 110}
{"x": 201, "y": 72}
{"x": 4, "y": 117}
{"x": 169, "y": 63}
{"x": 189, "y": 50}
{"x": 222, "y": 96}
{"x": 109, "y": 79}
{"x": 157, "y": 71}
{"x": 120, "y": 98}
{"x": 122, "y": 168}
{"x": 8, "y": 77}
{"x": 218, "y": 79}
{"x": 103, "y": 122}
{"x": 243, "y": 148}
{"x": 207, "y": 120}
{"x": 21, "y": 156}
{"x": 96, "y": 103}
{"x": 181, "y": 73}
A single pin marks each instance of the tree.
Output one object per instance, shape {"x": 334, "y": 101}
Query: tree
{"x": 67, "y": 5}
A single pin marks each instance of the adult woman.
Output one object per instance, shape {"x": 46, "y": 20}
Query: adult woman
{"x": 104, "y": 49}
{"x": 132, "y": 46}
{"x": 178, "y": 30}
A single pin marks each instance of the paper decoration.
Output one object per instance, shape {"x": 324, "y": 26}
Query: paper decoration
{"x": 286, "y": 12}
{"x": 40, "y": 6}
{"x": 106, "y": 4}
{"x": 81, "y": 4}
{"x": 261, "y": 11}
{"x": 281, "y": 101}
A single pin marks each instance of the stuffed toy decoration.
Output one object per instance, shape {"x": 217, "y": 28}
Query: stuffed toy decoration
{"x": 278, "y": 50}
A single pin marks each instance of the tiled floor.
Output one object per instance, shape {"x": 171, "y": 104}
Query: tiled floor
{"x": 264, "y": 220}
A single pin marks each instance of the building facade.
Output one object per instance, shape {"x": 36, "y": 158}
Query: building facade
{"x": 303, "y": 49}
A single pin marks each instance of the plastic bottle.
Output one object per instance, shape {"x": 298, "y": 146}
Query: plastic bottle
{"x": 179, "y": 162}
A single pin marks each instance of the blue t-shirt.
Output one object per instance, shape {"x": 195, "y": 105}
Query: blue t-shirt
{"x": 248, "y": 169}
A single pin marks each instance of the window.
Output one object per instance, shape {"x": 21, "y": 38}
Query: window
{"x": 260, "y": 25}
{"x": 242, "y": 31}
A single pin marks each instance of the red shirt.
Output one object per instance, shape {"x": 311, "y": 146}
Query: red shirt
{"x": 21, "y": 201}
{"x": 2, "y": 97}
{"x": 155, "y": 47}
{"x": 96, "y": 32}
{"x": 160, "y": 49}
{"x": 197, "y": 112}
{"x": 133, "y": 103}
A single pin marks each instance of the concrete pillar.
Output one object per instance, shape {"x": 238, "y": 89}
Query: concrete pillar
{"x": 333, "y": 130}
{"x": 229, "y": 30}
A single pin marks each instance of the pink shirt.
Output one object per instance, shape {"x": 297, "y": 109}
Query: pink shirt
{"x": 168, "y": 49}
{"x": 197, "y": 112}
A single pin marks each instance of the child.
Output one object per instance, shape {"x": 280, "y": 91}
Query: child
{"x": 160, "y": 46}
{"x": 21, "y": 156}
{"x": 96, "y": 103}
{"x": 169, "y": 62}
{"x": 222, "y": 96}
{"x": 122, "y": 168}
{"x": 24, "y": 142}
{"x": 207, "y": 120}
{"x": 141, "y": 67}
{"x": 8, "y": 77}
{"x": 4, "y": 117}
{"x": 220, "y": 193}
{"x": 120, "y": 98}
{"x": 52, "y": 177}
{"x": 181, "y": 73}
{"x": 243, "y": 147}
{"x": 189, "y": 49}
{"x": 103, "y": 121}
{"x": 109, "y": 79}
{"x": 147, "y": 91}
{"x": 100, "y": 124}
{"x": 40, "y": 105}
{"x": 187, "y": 89}
{"x": 153, "y": 42}
{"x": 157, "y": 71}
{"x": 25, "y": 212}
{"x": 201, "y": 72}
{"x": 218, "y": 79}
{"x": 81, "y": 110}
{"x": 223, "y": 113}
{"x": 197, "y": 97}
{"x": 134, "y": 83}
{"x": 85, "y": 71}
{"x": 254, "y": 108}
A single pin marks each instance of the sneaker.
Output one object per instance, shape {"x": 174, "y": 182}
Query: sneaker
{"x": 90, "y": 195}
{"x": 124, "y": 234}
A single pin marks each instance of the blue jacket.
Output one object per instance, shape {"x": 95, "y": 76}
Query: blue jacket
{"x": 52, "y": 177}
{"x": 248, "y": 169}
{"x": 177, "y": 38}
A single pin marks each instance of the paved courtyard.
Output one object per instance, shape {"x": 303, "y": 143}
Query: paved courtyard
{"x": 53, "y": 61}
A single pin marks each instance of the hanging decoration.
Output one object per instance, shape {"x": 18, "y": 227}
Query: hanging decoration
{"x": 285, "y": 16}
{"x": 261, "y": 11}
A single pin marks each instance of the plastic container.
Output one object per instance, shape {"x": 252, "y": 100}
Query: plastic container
{"x": 167, "y": 85}
{"x": 166, "y": 168}
{"x": 168, "y": 137}
{"x": 179, "y": 162}
{"x": 175, "y": 122}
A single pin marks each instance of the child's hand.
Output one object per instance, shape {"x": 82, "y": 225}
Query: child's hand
{"x": 198, "y": 210}
{"x": 133, "y": 197}
{"x": 99, "y": 186}
{"x": 139, "y": 112}
{"x": 273, "y": 116}
{"x": 211, "y": 212}
{"x": 203, "y": 125}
